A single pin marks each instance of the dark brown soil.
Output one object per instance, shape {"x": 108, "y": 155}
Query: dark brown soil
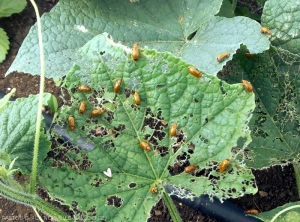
{"x": 276, "y": 185}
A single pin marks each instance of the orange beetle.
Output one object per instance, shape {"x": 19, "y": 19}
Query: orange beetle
{"x": 252, "y": 211}
{"x": 223, "y": 165}
{"x": 84, "y": 88}
{"x": 117, "y": 85}
{"x": 145, "y": 145}
{"x": 136, "y": 98}
{"x": 71, "y": 121}
{"x": 265, "y": 30}
{"x": 190, "y": 168}
{"x": 97, "y": 112}
{"x": 82, "y": 107}
{"x": 135, "y": 54}
{"x": 194, "y": 72}
{"x": 249, "y": 55}
{"x": 153, "y": 190}
{"x": 248, "y": 86}
{"x": 173, "y": 129}
{"x": 221, "y": 57}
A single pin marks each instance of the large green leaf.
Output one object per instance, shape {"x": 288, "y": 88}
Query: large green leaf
{"x": 275, "y": 123}
{"x": 282, "y": 17}
{"x": 276, "y": 80}
{"x": 166, "y": 26}
{"x": 8, "y": 7}
{"x": 4, "y": 45}
{"x": 211, "y": 117}
{"x": 18, "y": 126}
{"x": 291, "y": 215}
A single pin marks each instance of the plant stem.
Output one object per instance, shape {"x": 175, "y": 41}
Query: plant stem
{"x": 40, "y": 105}
{"x": 297, "y": 176}
{"x": 171, "y": 207}
{"x": 33, "y": 200}
{"x": 233, "y": 5}
{"x": 37, "y": 214}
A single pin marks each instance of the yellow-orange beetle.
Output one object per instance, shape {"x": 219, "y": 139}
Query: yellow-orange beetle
{"x": 252, "y": 211}
{"x": 265, "y": 30}
{"x": 84, "y": 88}
{"x": 249, "y": 55}
{"x": 145, "y": 145}
{"x": 97, "y": 112}
{"x": 223, "y": 165}
{"x": 82, "y": 107}
{"x": 194, "y": 72}
{"x": 221, "y": 57}
{"x": 117, "y": 85}
{"x": 248, "y": 86}
{"x": 71, "y": 121}
{"x": 173, "y": 129}
{"x": 135, "y": 54}
{"x": 153, "y": 190}
{"x": 190, "y": 168}
{"x": 136, "y": 98}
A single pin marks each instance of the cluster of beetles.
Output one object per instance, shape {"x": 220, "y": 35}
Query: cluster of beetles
{"x": 173, "y": 130}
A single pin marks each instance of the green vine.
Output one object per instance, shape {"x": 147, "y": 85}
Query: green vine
{"x": 40, "y": 105}
{"x": 171, "y": 207}
{"x": 33, "y": 200}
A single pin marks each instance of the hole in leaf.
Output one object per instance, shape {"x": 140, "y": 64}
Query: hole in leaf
{"x": 120, "y": 128}
{"x": 135, "y": 107}
{"x": 114, "y": 201}
{"x": 97, "y": 182}
{"x": 113, "y": 133}
{"x": 99, "y": 131}
{"x": 203, "y": 139}
{"x": 109, "y": 144}
{"x": 92, "y": 210}
{"x": 128, "y": 92}
{"x": 110, "y": 116}
{"x": 191, "y": 36}
{"x": 162, "y": 150}
{"x": 160, "y": 86}
{"x": 190, "y": 151}
{"x": 157, "y": 123}
{"x": 176, "y": 169}
{"x": 132, "y": 185}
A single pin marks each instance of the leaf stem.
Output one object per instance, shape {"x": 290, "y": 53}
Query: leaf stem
{"x": 233, "y": 5}
{"x": 40, "y": 105}
{"x": 171, "y": 207}
{"x": 33, "y": 200}
{"x": 296, "y": 167}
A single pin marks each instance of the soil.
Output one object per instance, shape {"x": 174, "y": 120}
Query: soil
{"x": 276, "y": 185}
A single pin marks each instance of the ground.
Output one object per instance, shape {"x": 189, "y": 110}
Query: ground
{"x": 276, "y": 185}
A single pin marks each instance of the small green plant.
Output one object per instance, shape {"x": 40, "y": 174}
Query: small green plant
{"x": 5, "y": 173}
{"x": 7, "y": 8}
{"x": 212, "y": 115}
